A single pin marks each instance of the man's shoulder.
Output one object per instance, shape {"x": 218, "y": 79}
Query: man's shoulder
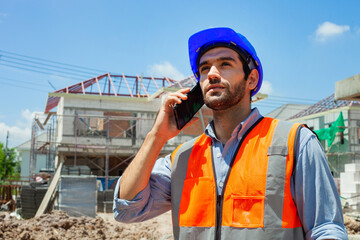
{"x": 304, "y": 134}
{"x": 188, "y": 143}
{"x": 185, "y": 146}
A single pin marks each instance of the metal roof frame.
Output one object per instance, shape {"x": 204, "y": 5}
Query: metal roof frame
{"x": 113, "y": 85}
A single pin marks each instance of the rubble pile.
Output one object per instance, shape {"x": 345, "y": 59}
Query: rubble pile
{"x": 58, "y": 225}
{"x": 352, "y": 226}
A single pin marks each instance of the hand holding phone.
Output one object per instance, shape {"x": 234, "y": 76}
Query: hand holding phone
{"x": 185, "y": 111}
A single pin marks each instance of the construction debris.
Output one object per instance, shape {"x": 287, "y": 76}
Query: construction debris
{"x": 58, "y": 225}
{"x": 352, "y": 225}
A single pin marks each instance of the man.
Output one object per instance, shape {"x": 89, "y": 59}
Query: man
{"x": 246, "y": 177}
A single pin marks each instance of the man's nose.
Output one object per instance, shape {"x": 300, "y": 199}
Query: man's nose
{"x": 213, "y": 73}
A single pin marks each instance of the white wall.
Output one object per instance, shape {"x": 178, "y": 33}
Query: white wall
{"x": 25, "y": 163}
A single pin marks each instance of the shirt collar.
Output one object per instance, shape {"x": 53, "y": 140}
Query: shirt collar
{"x": 240, "y": 129}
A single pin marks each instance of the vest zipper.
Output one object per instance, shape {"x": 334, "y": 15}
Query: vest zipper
{"x": 220, "y": 198}
{"x": 219, "y": 203}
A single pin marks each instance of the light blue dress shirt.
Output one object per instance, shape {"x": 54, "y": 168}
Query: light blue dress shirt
{"x": 312, "y": 185}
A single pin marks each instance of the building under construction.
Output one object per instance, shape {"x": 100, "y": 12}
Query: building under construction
{"x": 101, "y": 123}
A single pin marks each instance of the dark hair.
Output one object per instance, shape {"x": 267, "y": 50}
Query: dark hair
{"x": 246, "y": 68}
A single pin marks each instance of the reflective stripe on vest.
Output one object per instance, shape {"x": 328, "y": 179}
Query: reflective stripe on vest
{"x": 256, "y": 201}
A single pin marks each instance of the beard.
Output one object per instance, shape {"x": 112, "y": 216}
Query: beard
{"x": 226, "y": 99}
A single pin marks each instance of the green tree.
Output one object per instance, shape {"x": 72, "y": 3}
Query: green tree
{"x": 9, "y": 166}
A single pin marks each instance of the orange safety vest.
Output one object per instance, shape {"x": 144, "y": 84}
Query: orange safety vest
{"x": 256, "y": 201}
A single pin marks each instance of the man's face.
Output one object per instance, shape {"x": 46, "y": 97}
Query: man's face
{"x": 222, "y": 78}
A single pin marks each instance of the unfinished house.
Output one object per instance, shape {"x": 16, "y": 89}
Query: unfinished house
{"x": 102, "y": 122}
{"x": 90, "y": 133}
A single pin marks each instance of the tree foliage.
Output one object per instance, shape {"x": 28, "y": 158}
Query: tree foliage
{"x": 9, "y": 166}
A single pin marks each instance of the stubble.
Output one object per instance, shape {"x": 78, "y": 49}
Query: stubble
{"x": 227, "y": 98}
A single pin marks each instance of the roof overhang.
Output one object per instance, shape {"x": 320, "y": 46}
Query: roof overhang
{"x": 348, "y": 89}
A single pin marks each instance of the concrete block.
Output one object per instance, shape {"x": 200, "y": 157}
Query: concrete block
{"x": 349, "y": 177}
{"x": 352, "y": 167}
{"x": 350, "y": 187}
{"x": 348, "y": 89}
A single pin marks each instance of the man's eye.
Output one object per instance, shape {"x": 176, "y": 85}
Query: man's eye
{"x": 225, "y": 64}
{"x": 203, "y": 69}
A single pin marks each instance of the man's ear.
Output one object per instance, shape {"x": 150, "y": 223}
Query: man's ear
{"x": 253, "y": 79}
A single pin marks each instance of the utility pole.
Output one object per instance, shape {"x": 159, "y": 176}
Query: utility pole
{"x": 6, "y": 153}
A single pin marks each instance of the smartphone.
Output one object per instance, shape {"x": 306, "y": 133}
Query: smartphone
{"x": 188, "y": 108}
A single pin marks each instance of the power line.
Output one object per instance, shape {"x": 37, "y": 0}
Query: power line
{"x": 26, "y": 82}
{"x": 46, "y": 60}
{"x": 37, "y": 71}
{"x": 20, "y": 86}
{"x": 52, "y": 85}
{"x": 277, "y": 103}
{"x": 286, "y": 102}
{"x": 43, "y": 68}
{"x": 274, "y": 107}
{"x": 304, "y": 99}
{"x": 50, "y": 65}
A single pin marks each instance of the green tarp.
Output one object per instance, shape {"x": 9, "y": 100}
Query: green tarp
{"x": 330, "y": 132}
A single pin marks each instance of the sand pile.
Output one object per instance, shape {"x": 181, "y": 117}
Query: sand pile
{"x": 58, "y": 225}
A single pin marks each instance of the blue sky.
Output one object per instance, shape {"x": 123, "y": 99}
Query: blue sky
{"x": 304, "y": 46}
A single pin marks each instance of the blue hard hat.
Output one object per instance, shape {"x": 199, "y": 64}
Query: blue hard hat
{"x": 204, "y": 40}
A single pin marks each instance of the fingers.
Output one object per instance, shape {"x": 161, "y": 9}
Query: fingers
{"x": 176, "y": 97}
{"x": 179, "y": 95}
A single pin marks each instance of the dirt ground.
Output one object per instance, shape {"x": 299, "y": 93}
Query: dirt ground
{"x": 58, "y": 225}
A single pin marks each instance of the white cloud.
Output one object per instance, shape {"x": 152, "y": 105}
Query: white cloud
{"x": 27, "y": 115}
{"x": 20, "y": 132}
{"x": 327, "y": 30}
{"x": 165, "y": 70}
{"x": 266, "y": 87}
{"x": 17, "y": 135}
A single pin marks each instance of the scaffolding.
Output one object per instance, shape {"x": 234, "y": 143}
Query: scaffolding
{"x": 42, "y": 143}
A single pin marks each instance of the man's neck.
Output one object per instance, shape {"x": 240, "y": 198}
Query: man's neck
{"x": 225, "y": 121}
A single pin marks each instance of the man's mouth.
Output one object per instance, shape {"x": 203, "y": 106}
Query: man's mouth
{"x": 215, "y": 87}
